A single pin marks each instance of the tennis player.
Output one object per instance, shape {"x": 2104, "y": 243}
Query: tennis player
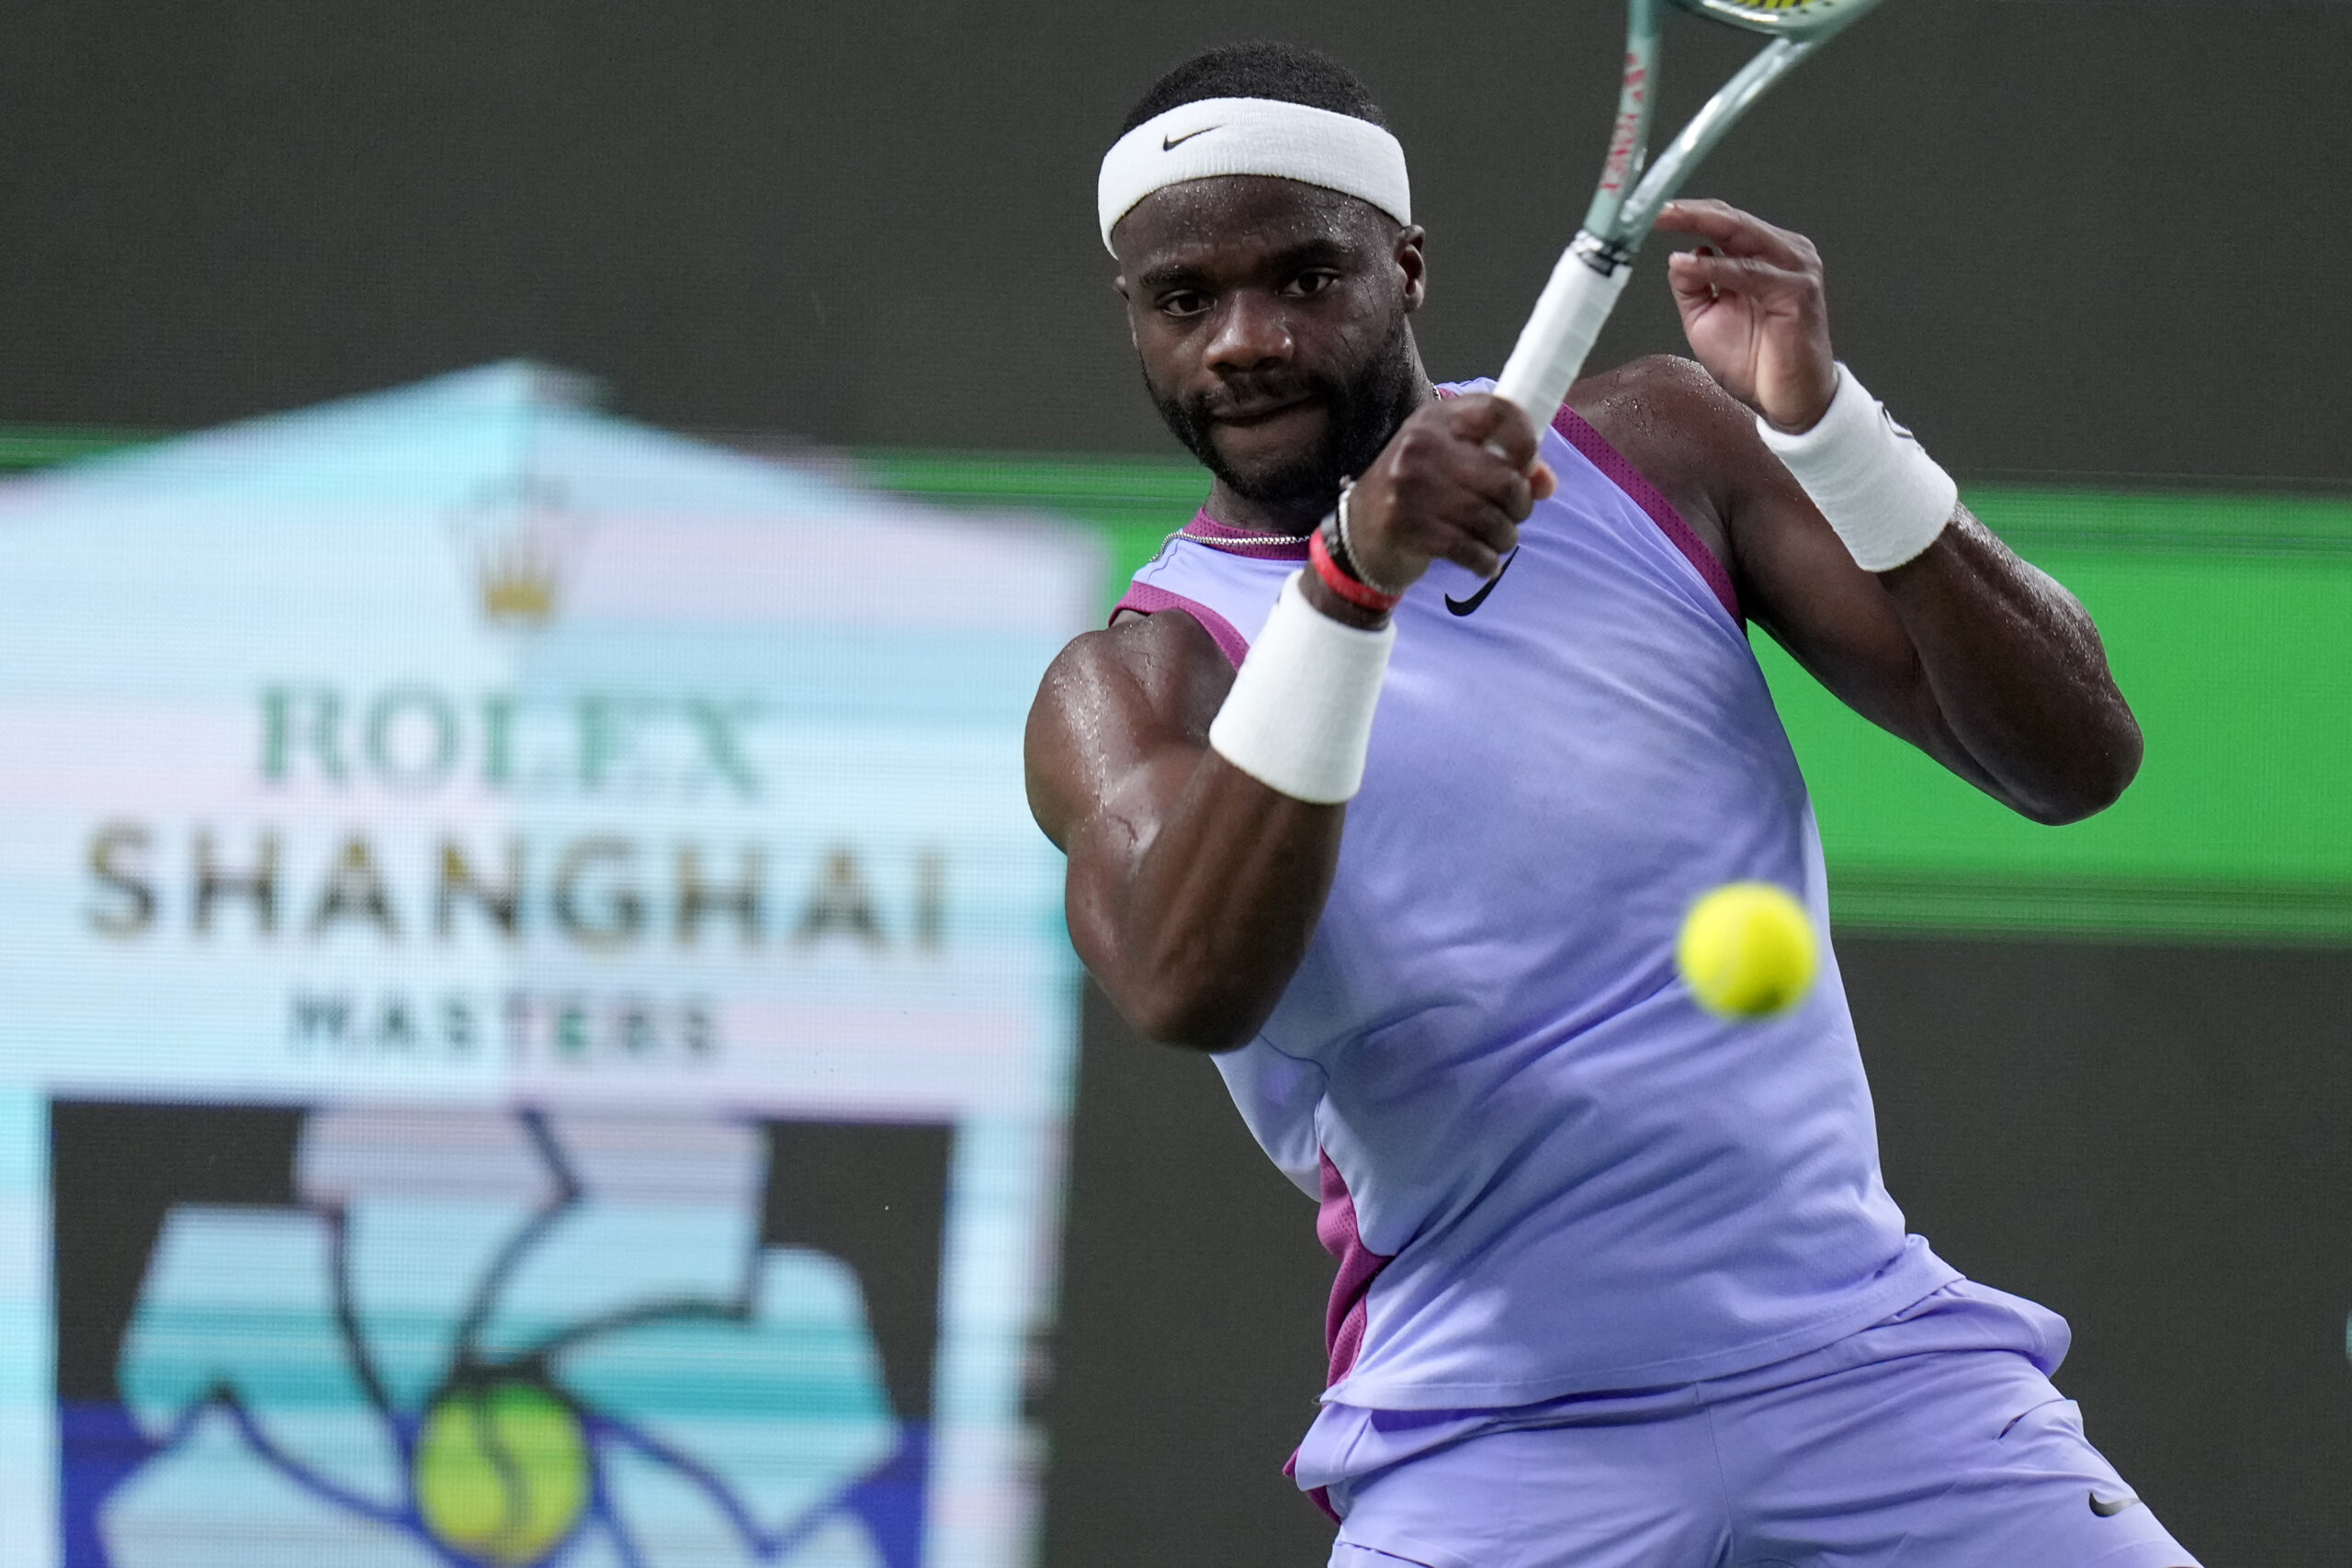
{"x": 1390, "y": 784}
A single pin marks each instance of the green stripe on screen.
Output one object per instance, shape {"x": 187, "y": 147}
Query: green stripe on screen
{"x": 25, "y": 446}
{"x": 2056, "y": 517}
{"x": 2107, "y": 908}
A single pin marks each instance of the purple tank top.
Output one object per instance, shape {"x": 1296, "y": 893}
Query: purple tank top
{"x": 1543, "y": 1168}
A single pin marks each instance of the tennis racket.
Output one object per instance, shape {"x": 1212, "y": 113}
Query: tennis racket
{"x": 1593, "y": 270}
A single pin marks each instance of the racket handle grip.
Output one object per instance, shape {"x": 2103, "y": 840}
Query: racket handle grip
{"x": 1559, "y": 333}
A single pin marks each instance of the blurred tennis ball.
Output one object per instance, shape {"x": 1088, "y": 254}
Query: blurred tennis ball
{"x": 502, "y": 1471}
{"x": 1747, "y": 951}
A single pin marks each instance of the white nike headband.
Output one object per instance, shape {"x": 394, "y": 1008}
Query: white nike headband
{"x": 1211, "y": 137}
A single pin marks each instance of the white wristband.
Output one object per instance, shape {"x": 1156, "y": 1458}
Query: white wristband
{"x": 1299, "y": 717}
{"x": 1887, "y": 499}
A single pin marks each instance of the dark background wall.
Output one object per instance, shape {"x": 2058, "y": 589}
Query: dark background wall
{"x": 2062, "y": 235}
{"x": 2150, "y": 1139}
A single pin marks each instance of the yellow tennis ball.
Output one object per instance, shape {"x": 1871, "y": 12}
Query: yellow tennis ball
{"x": 1747, "y": 951}
{"x": 502, "y": 1473}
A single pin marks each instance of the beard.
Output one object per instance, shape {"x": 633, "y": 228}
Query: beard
{"x": 1363, "y": 404}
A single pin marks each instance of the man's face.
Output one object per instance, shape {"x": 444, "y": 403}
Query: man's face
{"x": 1270, "y": 318}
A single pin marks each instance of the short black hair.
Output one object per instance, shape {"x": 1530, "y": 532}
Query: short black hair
{"x": 1264, "y": 69}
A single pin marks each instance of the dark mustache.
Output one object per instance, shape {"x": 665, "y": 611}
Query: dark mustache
{"x": 1257, "y": 394}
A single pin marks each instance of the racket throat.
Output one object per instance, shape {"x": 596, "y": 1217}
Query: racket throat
{"x": 1610, "y": 258}
{"x": 1567, "y": 317}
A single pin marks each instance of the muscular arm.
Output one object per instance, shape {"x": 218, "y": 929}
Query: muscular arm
{"x": 1193, "y": 889}
{"x": 1981, "y": 660}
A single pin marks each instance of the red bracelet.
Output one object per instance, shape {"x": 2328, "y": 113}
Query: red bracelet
{"x": 1361, "y": 594}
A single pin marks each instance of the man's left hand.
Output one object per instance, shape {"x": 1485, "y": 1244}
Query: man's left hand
{"x": 1753, "y": 309}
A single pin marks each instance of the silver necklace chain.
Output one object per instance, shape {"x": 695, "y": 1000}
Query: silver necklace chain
{"x": 1186, "y": 533}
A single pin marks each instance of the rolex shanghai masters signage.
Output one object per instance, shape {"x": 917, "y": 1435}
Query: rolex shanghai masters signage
{"x": 533, "y": 1024}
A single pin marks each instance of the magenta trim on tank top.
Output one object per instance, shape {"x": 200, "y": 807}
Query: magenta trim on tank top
{"x": 1579, "y": 434}
{"x": 1344, "y": 1318}
{"x": 1335, "y": 1227}
{"x": 1144, "y": 599}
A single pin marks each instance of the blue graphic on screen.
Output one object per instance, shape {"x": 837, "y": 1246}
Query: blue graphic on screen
{"x": 496, "y": 1339}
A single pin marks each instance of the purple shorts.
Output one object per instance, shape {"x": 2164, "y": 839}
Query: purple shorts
{"x": 1933, "y": 1440}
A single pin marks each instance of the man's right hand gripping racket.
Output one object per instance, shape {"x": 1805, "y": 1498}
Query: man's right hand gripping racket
{"x": 1585, "y": 286}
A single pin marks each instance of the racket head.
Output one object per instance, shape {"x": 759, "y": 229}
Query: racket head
{"x": 1793, "y": 20}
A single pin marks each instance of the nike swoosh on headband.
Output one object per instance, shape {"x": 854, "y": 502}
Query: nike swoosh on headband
{"x": 1167, "y": 144}
{"x": 1465, "y": 607}
{"x": 2108, "y": 1508}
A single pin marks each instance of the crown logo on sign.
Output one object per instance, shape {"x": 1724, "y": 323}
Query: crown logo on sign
{"x": 519, "y": 531}
{"x": 517, "y": 578}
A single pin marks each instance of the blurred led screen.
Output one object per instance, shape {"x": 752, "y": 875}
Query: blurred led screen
{"x": 538, "y": 1028}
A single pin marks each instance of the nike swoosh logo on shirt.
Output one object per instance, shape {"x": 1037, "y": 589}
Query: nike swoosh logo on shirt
{"x": 1170, "y": 143}
{"x": 1465, "y": 607}
{"x": 2108, "y": 1508}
